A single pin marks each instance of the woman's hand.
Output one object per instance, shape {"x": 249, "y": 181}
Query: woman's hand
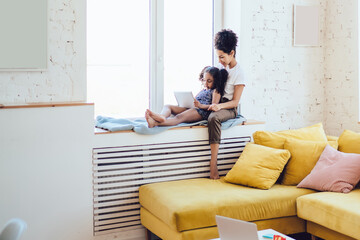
{"x": 214, "y": 107}
{"x": 197, "y": 103}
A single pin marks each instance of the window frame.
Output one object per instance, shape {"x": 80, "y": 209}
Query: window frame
{"x": 156, "y": 72}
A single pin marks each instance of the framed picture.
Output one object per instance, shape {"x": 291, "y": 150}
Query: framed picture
{"x": 306, "y": 25}
{"x": 23, "y": 41}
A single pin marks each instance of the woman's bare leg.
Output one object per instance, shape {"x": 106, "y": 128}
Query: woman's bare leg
{"x": 190, "y": 115}
{"x": 214, "y": 173}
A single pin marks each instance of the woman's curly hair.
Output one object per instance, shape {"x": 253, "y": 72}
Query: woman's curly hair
{"x": 226, "y": 41}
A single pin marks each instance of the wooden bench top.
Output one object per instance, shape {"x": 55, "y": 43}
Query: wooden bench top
{"x": 46, "y": 104}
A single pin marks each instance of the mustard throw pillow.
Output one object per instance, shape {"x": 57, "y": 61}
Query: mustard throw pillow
{"x": 304, "y": 156}
{"x": 258, "y": 166}
{"x": 277, "y": 139}
{"x": 349, "y": 142}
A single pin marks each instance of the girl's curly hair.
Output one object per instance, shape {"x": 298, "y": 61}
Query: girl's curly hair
{"x": 201, "y": 75}
{"x": 220, "y": 77}
{"x": 226, "y": 41}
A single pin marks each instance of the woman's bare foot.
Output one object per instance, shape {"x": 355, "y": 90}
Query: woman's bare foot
{"x": 157, "y": 117}
{"x": 151, "y": 122}
{"x": 214, "y": 174}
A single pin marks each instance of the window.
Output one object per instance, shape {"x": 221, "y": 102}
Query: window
{"x": 187, "y": 45}
{"x": 139, "y": 52}
{"x": 118, "y": 56}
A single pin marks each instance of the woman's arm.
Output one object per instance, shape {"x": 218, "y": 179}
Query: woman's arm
{"x": 238, "y": 89}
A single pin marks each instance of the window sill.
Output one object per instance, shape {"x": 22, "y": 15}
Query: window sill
{"x": 102, "y": 131}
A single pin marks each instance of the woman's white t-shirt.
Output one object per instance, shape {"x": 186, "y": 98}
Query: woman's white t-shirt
{"x": 236, "y": 77}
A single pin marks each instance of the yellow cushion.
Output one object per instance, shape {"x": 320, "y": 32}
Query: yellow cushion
{"x": 349, "y": 142}
{"x": 304, "y": 155}
{"x": 193, "y": 203}
{"x": 258, "y": 166}
{"x": 277, "y": 139}
{"x": 337, "y": 211}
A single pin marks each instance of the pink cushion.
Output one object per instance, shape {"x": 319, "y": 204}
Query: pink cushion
{"x": 335, "y": 171}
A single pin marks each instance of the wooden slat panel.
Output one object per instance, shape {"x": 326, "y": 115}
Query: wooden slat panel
{"x": 117, "y": 220}
{"x": 116, "y": 230}
{"x": 141, "y": 158}
{"x": 117, "y": 215}
{"x": 126, "y": 182}
{"x": 120, "y": 171}
{"x": 115, "y": 191}
{"x": 169, "y": 144}
{"x": 115, "y": 203}
{"x": 100, "y": 169}
{"x": 170, "y": 178}
{"x": 153, "y": 169}
{"x": 112, "y": 226}
{"x": 145, "y": 150}
{"x": 116, "y": 209}
{"x": 115, "y": 197}
{"x": 154, "y": 145}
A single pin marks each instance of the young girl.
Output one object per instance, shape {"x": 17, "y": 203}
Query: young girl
{"x": 214, "y": 81}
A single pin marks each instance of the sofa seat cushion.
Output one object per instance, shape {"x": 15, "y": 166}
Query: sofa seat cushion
{"x": 337, "y": 211}
{"x": 193, "y": 203}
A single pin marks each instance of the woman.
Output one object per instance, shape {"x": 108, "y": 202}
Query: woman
{"x": 225, "y": 46}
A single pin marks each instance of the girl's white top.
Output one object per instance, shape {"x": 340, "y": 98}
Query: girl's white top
{"x": 236, "y": 77}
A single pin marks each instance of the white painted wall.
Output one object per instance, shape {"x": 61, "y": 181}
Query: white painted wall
{"x": 65, "y": 78}
{"x": 46, "y": 171}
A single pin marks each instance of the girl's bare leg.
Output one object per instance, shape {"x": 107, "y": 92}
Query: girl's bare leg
{"x": 151, "y": 122}
{"x": 190, "y": 115}
{"x": 165, "y": 112}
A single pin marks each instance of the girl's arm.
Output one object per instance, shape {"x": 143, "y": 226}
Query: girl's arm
{"x": 230, "y": 104}
{"x": 215, "y": 97}
{"x": 215, "y": 100}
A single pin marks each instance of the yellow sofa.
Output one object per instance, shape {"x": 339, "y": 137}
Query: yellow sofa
{"x": 186, "y": 209}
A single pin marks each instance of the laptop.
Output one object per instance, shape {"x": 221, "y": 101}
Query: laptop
{"x": 234, "y": 229}
{"x": 185, "y": 99}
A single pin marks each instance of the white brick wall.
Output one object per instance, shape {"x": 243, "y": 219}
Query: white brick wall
{"x": 341, "y": 69}
{"x": 286, "y": 83}
{"x": 65, "y": 78}
{"x": 292, "y": 87}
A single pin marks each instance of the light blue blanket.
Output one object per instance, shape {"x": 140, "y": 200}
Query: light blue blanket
{"x": 140, "y": 125}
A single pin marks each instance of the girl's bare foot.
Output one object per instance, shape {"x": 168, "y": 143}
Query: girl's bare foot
{"x": 157, "y": 117}
{"x": 151, "y": 122}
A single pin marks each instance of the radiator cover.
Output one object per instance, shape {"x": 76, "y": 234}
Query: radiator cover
{"x": 120, "y": 171}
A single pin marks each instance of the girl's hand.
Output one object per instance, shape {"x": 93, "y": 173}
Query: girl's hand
{"x": 214, "y": 107}
{"x": 197, "y": 103}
